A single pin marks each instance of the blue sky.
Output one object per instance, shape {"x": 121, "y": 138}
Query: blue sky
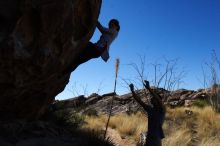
{"x": 183, "y": 29}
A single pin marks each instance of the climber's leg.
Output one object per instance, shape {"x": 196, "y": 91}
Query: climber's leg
{"x": 91, "y": 51}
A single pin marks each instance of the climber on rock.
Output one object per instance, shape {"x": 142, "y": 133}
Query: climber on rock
{"x": 156, "y": 115}
{"x": 102, "y": 46}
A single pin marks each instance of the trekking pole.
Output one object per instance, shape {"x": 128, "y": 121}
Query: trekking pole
{"x": 111, "y": 105}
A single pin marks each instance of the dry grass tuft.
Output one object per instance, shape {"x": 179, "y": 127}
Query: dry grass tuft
{"x": 180, "y": 137}
{"x": 129, "y": 125}
{"x": 126, "y": 125}
{"x": 95, "y": 123}
{"x": 178, "y": 126}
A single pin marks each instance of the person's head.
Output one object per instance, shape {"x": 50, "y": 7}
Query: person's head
{"x": 114, "y": 23}
{"x": 154, "y": 101}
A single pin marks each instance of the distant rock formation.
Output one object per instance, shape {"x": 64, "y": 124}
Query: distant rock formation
{"x": 125, "y": 103}
{"x": 40, "y": 43}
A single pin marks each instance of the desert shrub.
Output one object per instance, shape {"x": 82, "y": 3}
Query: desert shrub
{"x": 91, "y": 112}
{"x": 68, "y": 116}
{"x": 75, "y": 118}
{"x": 201, "y": 103}
{"x": 58, "y": 105}
{"x": 95, "y": 138}
{"x": 132, "y": 111}
{"x": 60, "y": 117}
{"x": 215, "y": 98}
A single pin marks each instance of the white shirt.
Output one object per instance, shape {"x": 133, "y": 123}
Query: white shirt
{"x": 107, "y": 37}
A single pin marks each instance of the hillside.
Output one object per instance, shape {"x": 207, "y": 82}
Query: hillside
{"x": 125, "y": 103}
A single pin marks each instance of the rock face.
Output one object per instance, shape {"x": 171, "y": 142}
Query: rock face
{"x": 40, "y": 43}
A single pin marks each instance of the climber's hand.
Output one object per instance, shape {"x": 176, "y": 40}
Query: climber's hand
{"x": 131, "y": 87}
{"x": 146, "y": 84}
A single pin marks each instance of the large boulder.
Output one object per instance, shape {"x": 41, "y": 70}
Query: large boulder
{"x": 40, "y": 43}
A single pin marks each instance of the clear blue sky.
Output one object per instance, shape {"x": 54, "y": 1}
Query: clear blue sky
{"x": 184, "y": 29}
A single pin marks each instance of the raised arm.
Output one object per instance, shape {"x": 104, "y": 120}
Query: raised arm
{"x": 156, "y": 96}
{"x": 103, "y": 29}
{"x": 137, "y": 98}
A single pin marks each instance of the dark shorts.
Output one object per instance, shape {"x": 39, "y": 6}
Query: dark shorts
{"x": 94, "y": 50}
{"x": 91, "y": 51}
{"x": 153, "y": 142}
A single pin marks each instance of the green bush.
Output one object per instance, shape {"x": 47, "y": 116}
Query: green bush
{"x": 71, "y": 120}
{"x": 94, "y": 138}
{"x": 59, "y": 105}
{"x": 75, "y": 118}
{"x": 68, "y": 116}
{"x": 91, "y": 112}
{"x": 201, "y": 103}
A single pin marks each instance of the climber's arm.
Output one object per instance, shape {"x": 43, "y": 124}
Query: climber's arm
{"x": 103, "y": 29}
{"x": 137, "y": 98}
{"x": 156, "y": 96}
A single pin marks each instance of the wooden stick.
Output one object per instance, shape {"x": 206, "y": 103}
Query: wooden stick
{"x": 115, "y": 85}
